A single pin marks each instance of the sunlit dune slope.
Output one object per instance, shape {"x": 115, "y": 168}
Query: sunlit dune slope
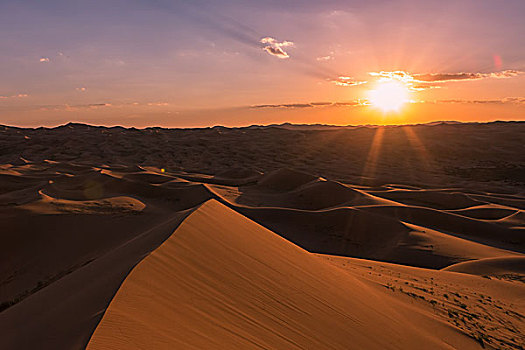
{"x": 489, "y": 308}
{"x": 360, "y": 232}
{"x": 221, "y": 281}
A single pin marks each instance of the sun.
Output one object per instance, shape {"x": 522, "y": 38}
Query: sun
{"x": 389, "y": 96}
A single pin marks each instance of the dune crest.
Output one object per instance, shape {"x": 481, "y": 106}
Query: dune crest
{"x": 210, "y": 285}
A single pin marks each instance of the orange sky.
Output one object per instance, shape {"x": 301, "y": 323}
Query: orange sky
{"x": 233, "y": 63}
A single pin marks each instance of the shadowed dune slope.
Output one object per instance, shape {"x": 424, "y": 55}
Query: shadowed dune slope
{"x": 486, "y": 212}
{"x": 432, "y": 199}
{"x": 223, "y": 282}
{"x": 284, "y": 179}
{"x": 314, "y": 195}
{"x": 476, "y": 230}
{"x": 62, "y": 272}
{"x": 341, "y": 231}
{"x": 356, "y": 232}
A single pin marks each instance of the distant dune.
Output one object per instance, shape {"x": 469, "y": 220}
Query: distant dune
{"x": 276, "y": 237}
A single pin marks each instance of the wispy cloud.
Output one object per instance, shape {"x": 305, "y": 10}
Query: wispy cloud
{"x": 502, "y": 101}
{"x": 326, "y": 58}
{"x": 14, "y": 96}
{"x": 355, "y": 103}
{"x": 418, "y": 82}
{"x": 158, "y": 104}
{"x": 275, "y": 48}
{"x": 446, "y": 77}
{"x": 93, "y": 106}
{"x": 44, "y": 59}
{"x": 365, "y": 102}
{"x": 347, "y": 81}
{"x": 72, "y": 108}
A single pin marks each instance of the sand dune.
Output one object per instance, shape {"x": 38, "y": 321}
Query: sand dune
{"x": 212, "y": 286}
{"x": 510, "y": 202}
{"x": 284, "y": 180}
{"x": 515, "y": 220}
{"x": 432, "y": 199}
{"x": 62, "y": 265}
{"x": 489, "y": 310}
{"x": 314, "y": 195}
{"x": 486, "y": 212}
{"x": 296, "y": 237}
{"x": 480, "y": 231}
{"x": 507, "y": 267}
{"x": 355, "y": 232}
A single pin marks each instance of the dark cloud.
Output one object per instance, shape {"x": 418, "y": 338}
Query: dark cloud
{"x": 290, "y": 105}
{"x": 276, "y": 51}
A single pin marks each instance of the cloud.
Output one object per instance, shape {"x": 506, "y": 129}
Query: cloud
{"x": 422, "y": 87}
{"x": 347, "y": 81}
{"x": 72, "y": 108}
{"x": 503, "y": 101}
{"x": 397, "y": 75}
{"x": 14, "y": 96}
{"x": 290, "y": 105}
{"x": 325, "y": 58}
{"x": 354, "y": 103}
{"x": 364, "y": 102}
{"x": 81, "y": 89}
{"x": 419, "y": 82}
{"x": 275, "y": 48}
{"x": 44, "y": 59}
{"x": 94, "y": 106}
{"x": 158, "y": 104}
{"x": 446, "y": 77}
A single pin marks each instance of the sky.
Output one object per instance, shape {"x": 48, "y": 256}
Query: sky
{"x": 197, "y": 63}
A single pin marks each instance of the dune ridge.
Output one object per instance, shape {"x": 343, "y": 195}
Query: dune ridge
{"x": 215, "y": 278}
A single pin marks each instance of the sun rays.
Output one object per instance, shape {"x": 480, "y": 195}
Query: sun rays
{"x": 385, "y": 137}
{"x": 389, "y": 96}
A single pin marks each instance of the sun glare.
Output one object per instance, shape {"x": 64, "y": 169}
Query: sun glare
{"x": 389, "y": 96}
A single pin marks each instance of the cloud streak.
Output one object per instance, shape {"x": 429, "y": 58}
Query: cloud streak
{"x": 2, "y": 97}
{"x": 364, "y": 102}
{"x": 503, "y": 101}
{"x": 447, "y": 77}
{"x": 275, "y": 48}
{"x": 355, "y": 103}
{"x": 419, "y": 82}
{"x": 347, "y": 81}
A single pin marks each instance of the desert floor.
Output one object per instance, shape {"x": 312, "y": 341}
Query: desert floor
{"x": 279, "y": 237}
